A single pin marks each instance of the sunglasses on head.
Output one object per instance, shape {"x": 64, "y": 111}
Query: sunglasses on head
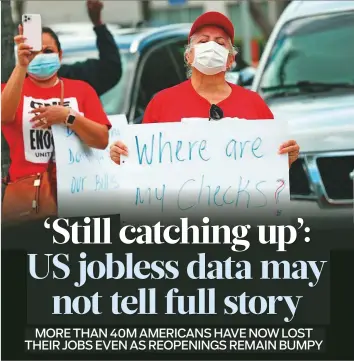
{"x": 215, "y": 113}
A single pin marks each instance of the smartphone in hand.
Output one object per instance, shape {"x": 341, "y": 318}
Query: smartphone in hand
{"x": 32, "y": 30}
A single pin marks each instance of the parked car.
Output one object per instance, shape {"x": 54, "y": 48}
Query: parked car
{"x": 152, "y": 60}
{"x": 243, "y": 78}
{"x": 306, "y": 75}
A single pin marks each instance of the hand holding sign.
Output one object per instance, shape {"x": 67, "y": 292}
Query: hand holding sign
{"x": 292, "y": 148}
{"x": 227, "y": 169}
{"x": 88, "y": 181}
{"x": 116, "y": 150}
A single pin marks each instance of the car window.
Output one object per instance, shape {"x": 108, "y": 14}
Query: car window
{"x": 115, "y": 99}
{"x": 71, "y": 57}
{"x": 161, "y": 67}
{"x": 313, "y": 49}
{"x": 177, "y": 49}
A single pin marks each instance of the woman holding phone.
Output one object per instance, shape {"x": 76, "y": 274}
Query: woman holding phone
{"x": 34, "y": 99}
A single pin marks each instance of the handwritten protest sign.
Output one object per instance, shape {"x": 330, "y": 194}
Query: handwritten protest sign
{"x": 88, "y": 180}
{"x": 206, "y": 168}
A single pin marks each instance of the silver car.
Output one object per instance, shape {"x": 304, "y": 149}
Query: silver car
{"x": 306, "y": 75}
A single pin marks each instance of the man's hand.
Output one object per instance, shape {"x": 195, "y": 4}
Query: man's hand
{"x": 94, "y": 8}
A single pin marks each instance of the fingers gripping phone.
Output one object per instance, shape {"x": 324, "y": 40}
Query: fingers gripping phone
{"x": 32, "y": 30}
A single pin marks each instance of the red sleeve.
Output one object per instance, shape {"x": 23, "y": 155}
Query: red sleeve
{"x": 263, "y": 110}
{"x": 93, "y": 108}
{"x": 151, "y": 112}
{"x": 3, "y": 85}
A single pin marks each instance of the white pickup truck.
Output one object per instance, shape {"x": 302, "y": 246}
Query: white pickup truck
{"x": 306, "y": 75}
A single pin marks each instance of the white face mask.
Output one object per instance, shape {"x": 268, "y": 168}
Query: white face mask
{"x": 210, "y": 58}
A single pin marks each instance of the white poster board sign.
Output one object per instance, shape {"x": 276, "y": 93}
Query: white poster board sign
{"x": 227, "y": 168}
{"x": 88, "y": 180}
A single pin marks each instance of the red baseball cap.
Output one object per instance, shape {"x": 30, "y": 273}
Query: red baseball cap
{"x": 213, "y": 18}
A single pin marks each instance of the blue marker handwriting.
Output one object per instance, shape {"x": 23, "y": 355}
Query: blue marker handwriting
{"x": 196, "y": 192}
{"x": 69, "y": 132}
{"x": 104, "y": 182}
{"x": 114, "y": 133}
{"x": 89, "y": 155}
{"x": 78, "y": 184}
{"x": 150, "y": 196}
{"x": 162, "y": 150}
{"x": 236, "y": 149}
{"x": 93, "y": 183}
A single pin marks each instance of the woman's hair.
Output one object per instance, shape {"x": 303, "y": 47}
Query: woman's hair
{"x": 46, "y": 30}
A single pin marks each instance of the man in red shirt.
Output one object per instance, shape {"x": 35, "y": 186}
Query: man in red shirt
{"x": 210, "y": 53}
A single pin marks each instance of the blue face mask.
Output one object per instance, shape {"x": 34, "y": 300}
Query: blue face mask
{"x": 44, "y": 66}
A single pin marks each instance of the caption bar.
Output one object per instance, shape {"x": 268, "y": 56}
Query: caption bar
{"x": 175, "y": 339}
